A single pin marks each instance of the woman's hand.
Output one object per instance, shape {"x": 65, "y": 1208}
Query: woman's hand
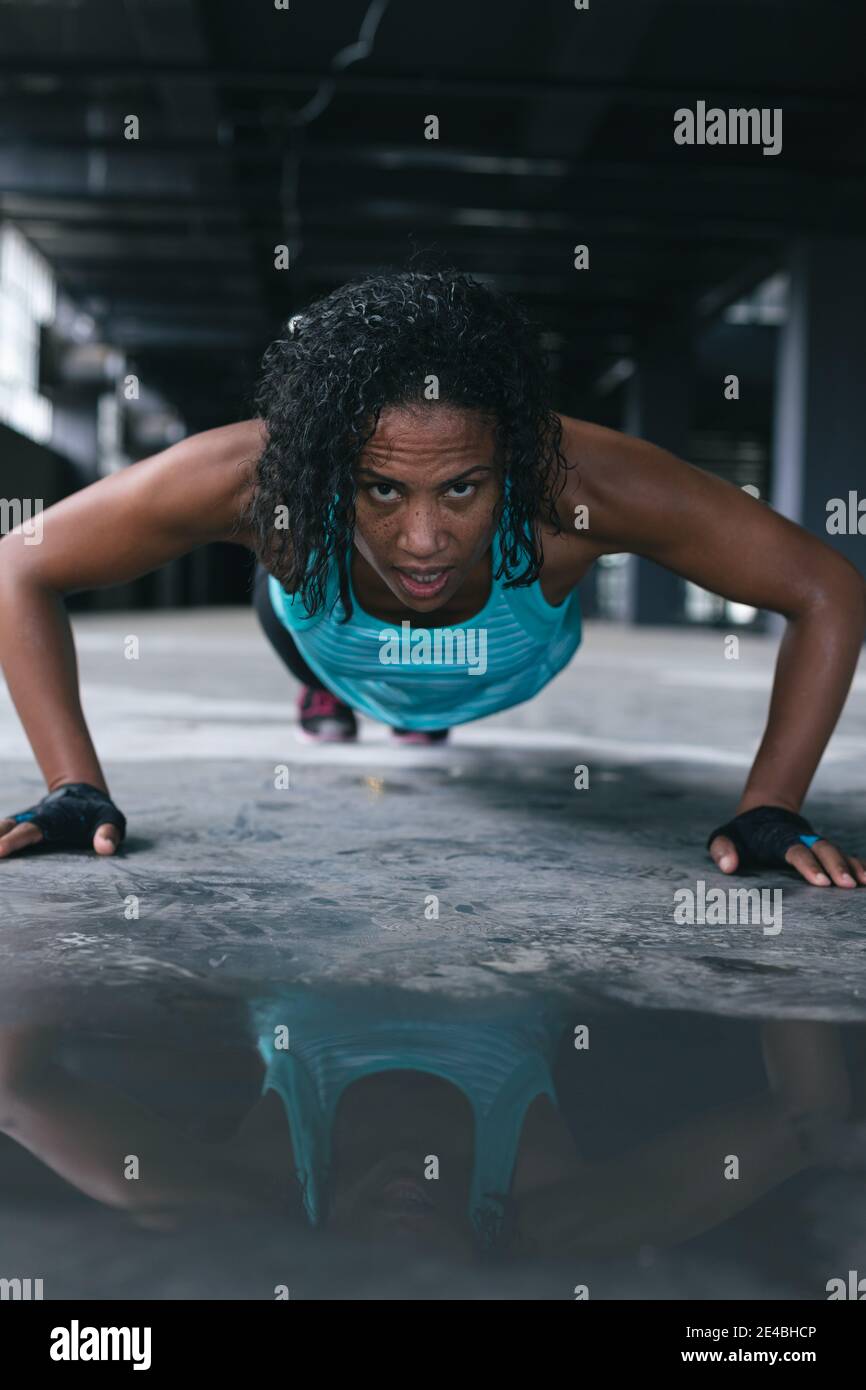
{"x": 76, "y": 815}
{"x": 806, "y": 1069}
{"x": 771, "y": 836}
{"x": 846, "y": 871}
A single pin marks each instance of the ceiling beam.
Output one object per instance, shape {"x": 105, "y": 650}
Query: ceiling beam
{"x": 25, "y": 70}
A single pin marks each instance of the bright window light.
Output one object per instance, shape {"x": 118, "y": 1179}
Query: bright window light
{"x": 27, "y": 300}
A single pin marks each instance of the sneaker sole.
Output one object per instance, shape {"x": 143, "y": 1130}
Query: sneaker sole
{"x": 419, "y": 742}
{"x": 306, "y": 737}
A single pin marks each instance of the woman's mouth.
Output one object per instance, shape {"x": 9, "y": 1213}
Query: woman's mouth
{"x": 423, "y": 583}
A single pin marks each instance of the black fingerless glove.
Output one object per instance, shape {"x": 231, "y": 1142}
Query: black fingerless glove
{"x": 70, "y": 815}
{"x": 762, "y": 835}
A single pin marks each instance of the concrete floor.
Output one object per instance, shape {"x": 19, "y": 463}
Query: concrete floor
{"x": 539, "y": 885}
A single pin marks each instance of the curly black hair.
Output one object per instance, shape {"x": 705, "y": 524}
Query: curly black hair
{"x": 374, "y": 343}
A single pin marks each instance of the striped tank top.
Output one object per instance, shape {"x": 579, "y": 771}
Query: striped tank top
{"x": 432, "y": 678}
{"x": 501, "y": 1061}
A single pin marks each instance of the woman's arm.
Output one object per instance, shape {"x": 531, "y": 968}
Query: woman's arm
{"x": 679, "y": 1185}
{"x": 109, "y": 533}
{"x": 644, "y": 500}
{"x": 668, "y": 1190}
{"x": 87, "y": 1133}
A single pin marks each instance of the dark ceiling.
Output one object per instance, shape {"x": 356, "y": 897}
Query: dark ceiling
{"x": 555, "y": 128}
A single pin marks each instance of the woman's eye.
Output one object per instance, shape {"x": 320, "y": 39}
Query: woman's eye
{"x": 467, "y": 489}
{"x": 378, "y": 490}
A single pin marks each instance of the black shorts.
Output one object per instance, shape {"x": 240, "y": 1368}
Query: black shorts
{"x": 278, "y": 636}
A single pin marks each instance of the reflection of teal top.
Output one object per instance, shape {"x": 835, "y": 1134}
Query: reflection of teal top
{"x": 431, "y": 678}
{"x": 500, "y": 1062}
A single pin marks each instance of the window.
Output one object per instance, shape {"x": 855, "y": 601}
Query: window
{"x": 27, "y": 300}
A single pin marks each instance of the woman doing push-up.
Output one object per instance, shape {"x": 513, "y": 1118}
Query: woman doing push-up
{"x": 421, "y": 520}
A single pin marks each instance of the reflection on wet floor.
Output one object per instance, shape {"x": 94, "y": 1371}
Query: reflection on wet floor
{"x": 310, "y": 1143}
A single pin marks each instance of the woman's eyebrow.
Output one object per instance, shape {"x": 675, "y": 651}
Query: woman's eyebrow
{"x": 365, "y": 471}
{"x": 467, "y": 472}
{"x": 367, "y": 474}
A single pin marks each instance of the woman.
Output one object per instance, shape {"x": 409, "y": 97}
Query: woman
{"x": 422, "y": 520}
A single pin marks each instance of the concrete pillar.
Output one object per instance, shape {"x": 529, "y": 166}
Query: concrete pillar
{"x": 201, "y": 566}
{"x": 657, "y": 403}
{"x": 819, "y": 426}
{"x": 589, "y": 593}
{"x": 170, "y": 584}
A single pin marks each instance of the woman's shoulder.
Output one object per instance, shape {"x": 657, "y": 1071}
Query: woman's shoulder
{"x": 236, "y": 450}
{"x": 603, "y": 465}
{"x": 590, "y": 450}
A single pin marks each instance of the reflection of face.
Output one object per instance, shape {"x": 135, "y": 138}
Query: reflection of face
{"x": 386, "y": 1128}
{"x": 428, "y": 485}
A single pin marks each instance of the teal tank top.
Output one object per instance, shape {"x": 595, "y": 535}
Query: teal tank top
{"x": 500, "y": 1062}
{"x": 433, "y": 678}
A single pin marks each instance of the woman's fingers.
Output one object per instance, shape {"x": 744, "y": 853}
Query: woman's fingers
{"x": 821, "y": 865}
{"x": 15, "y": 835}
{"x": 836, "y": 863}
{"x": 858, "y": 868}
{"x": 106, "y": 839}
{"x": 724, "y": 852}
{"x": 805, "y": 862}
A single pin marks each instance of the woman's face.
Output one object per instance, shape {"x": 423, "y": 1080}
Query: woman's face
{"x": 388, "y": 1129}
{"x": 428, "y": 485}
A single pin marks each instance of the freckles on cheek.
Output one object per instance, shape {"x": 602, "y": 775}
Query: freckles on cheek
{"x": 371, "y": 534}
{"x": 374, "y": 529}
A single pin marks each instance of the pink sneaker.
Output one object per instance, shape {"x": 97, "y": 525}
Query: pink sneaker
{"x": 325, "y": 719}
